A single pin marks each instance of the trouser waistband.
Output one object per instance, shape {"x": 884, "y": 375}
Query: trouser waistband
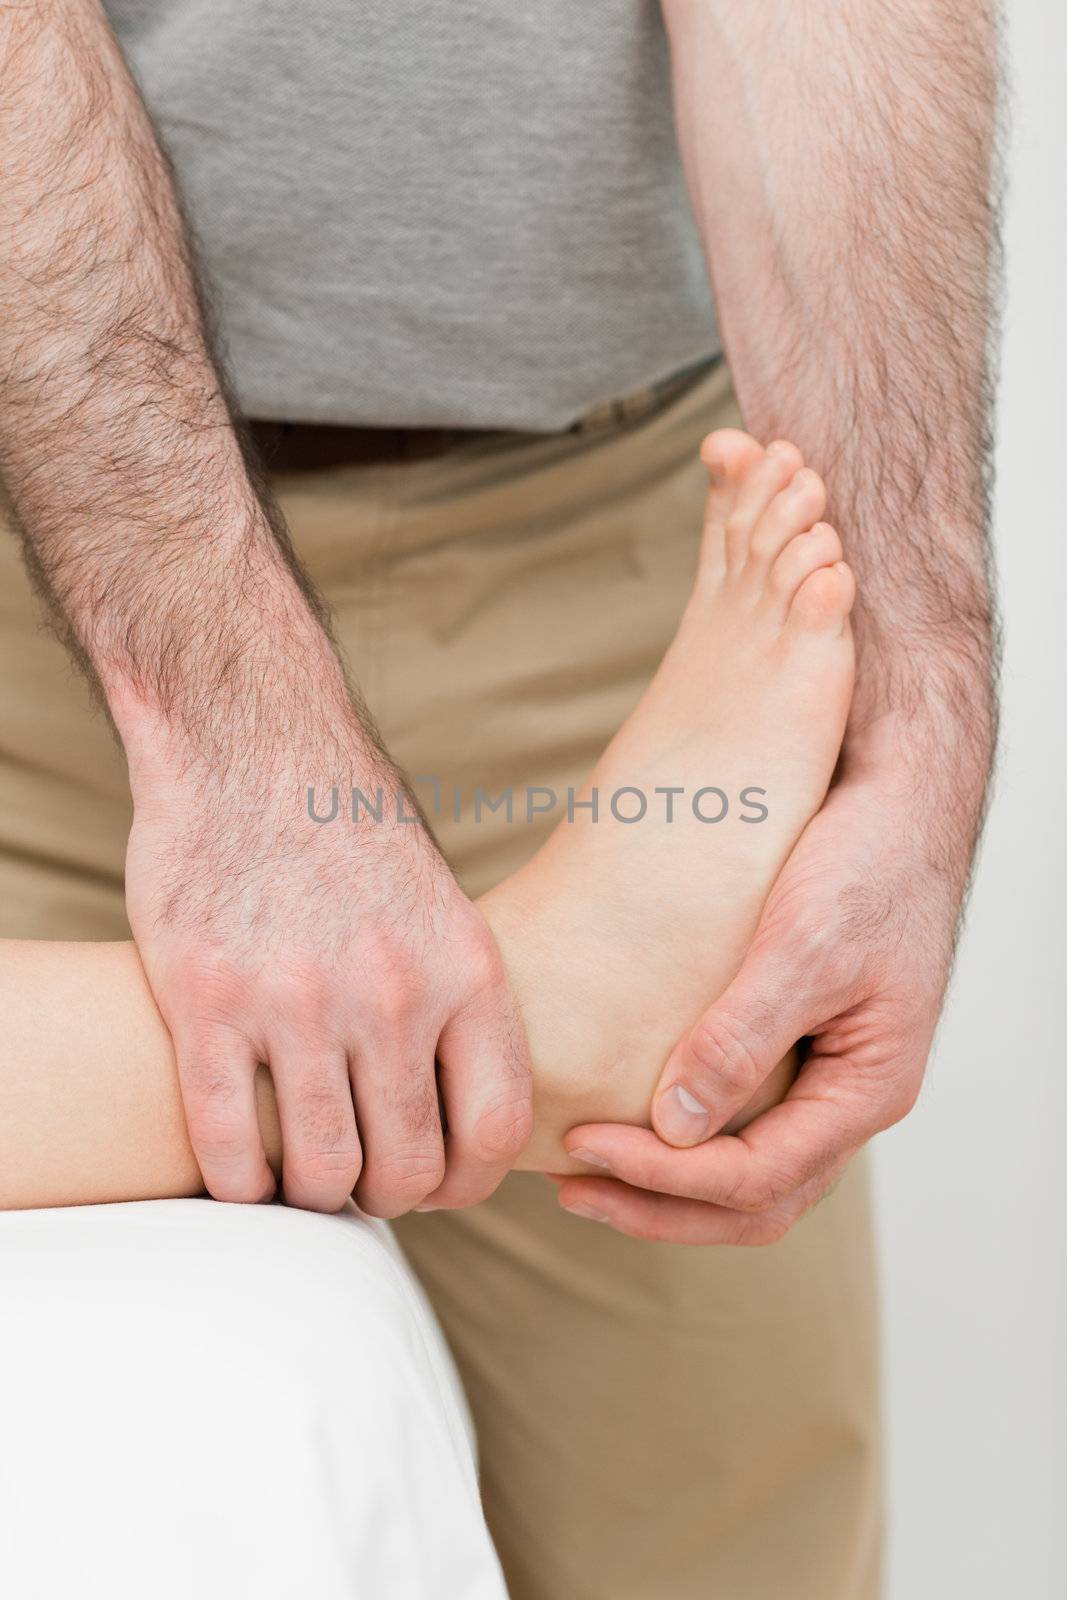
{"x": 313, "y": 446}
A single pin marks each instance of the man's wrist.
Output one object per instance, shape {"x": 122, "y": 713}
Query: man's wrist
{"x": 237, "y": 667}
{"x": 942, "y": 734}
{"x": 929, "y": 777}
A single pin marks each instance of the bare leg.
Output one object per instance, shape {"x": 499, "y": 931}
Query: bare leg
{"x": 616, "y": 935}
{"x": 89, "y": 1103}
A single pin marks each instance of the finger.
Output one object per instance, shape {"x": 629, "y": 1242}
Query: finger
{"x": 672, "y": 1220}
{"x": 321, "y": 1155}
{"x": 793, "y": 1144}
{"x": 217, "y": 1071}
{"x": 661, "y": 1217}
{"x": 395, "y": 1091}
{"x": 484, "y": 1079}
{"x": 717, "y": 1067}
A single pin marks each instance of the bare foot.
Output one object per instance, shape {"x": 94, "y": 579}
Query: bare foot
{"x": 617, "y": 934}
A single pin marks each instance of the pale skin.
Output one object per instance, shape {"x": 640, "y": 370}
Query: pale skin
{"x": 609, "y": 933}
{"x": 841, "y": 176}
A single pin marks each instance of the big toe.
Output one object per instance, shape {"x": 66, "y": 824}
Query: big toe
{"x": 728, "y": 453}
{"x": 729, "y": 456}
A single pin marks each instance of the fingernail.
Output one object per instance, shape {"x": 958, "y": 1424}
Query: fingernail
{"x": 776, "y": 447}
{"x": 680, "y": 1117}
{"x": 427, "y": 1207}
{"x": 581, "y": 1208}
{"x": 590, "y": 1157}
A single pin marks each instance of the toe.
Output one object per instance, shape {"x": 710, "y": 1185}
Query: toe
{"x": 764, "y": 480}
{"x": 794, "y": 509}
{"x": 824, "y": 600}
{"x": 728, "y": 453}
{"x": 803, "y": 555}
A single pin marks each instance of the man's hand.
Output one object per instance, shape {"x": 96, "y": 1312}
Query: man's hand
{"x": 854, "y": 271}
{"x": 345, "y": 957}
{"x": 853, "y": 951}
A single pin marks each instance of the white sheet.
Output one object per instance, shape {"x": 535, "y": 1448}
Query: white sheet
{"x": 201, "y": 1401}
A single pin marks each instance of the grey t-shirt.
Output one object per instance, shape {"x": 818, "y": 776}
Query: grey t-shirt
{"x": 463, "y": 213}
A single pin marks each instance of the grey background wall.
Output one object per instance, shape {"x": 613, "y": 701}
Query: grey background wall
{"x": 971, "y": 1187}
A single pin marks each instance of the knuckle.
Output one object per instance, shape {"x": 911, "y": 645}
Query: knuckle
{"x": 641, "y": 1173}
{"x": 726, "y": 1054}
{"x": 233, "y": 1188}
{"x": 412, "y": 1095}
{"x": 322, "y": 1176}
{"x": 484, "y": 965}
{"x": 504, "y": 1129}
{"x": 206, "y": 990}
{"x": 221, "y": 1132}
{"x": 315, "y": 1166}
{"x": 407, "y": 1173}
{"x": 322, "y": 1112}
{"x": 209, "y": 1081}
{"x": 759, "y": 1193}
{"x": 479, "y": 952}
{"x": 216, "y": 1137}
{"x": 767, "y": 1231}
{"x": 811, "y": 938}
{"x": 396, "y": 998}
{"x": 900, "y": 1100}
{"x": 421, "y": 1172}
{"x": 480, "y": 969}
{"x": 300, "y": 990}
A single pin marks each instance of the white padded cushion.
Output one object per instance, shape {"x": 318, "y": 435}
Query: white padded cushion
{"x": 202, "y": 1400}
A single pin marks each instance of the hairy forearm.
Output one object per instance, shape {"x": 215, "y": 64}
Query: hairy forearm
{"x": 840, "y": 155}
{"x": 165, "y": 567}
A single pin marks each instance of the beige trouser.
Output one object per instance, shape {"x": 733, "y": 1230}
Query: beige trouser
{"x": 656, "y": 1422}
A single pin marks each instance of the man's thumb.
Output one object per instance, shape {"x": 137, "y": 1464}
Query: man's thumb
{"x": 718, "y": 1065}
